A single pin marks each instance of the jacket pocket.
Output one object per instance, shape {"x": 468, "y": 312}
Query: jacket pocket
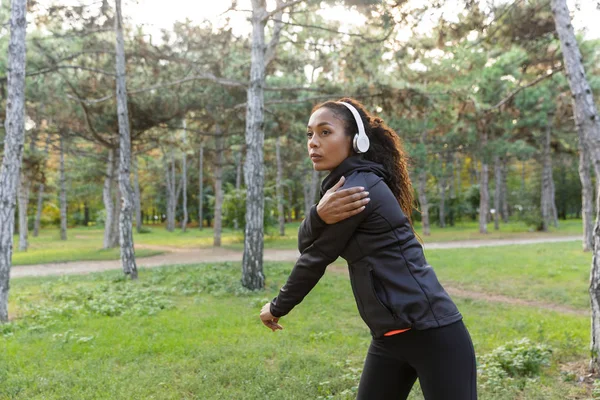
{"x": 375, "y": 284}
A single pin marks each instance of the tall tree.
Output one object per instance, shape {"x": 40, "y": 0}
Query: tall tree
{"x": 63, "y": 190}
{"x": 497, "y": 191}
{"x": 23, "y": 200}
{"x": 107, "y": 197}
{"x": 586, "y": 119}
{"x": 40, "y": 199}
{"x": 184, "y": 177}
{"x": 484, "y": 193}
{"x": 218, "y": 174}
{"x": 548, "y": 203}
{"x": 587, "y": 192}
{"x": 138, "y": 196}
{"x": 126, "y": 216}
{"x": 201, "y": 185}
{"x": 279, "y": 187}
{"x": 13, "y": 144}
{"x": 252, "y": 262}
{"x": 171, "y": 186}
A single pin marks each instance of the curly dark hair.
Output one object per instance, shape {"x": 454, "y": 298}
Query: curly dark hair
{"x": 386, "y": 149}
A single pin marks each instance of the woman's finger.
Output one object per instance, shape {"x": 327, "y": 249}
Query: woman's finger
{"x": 337, "y": 185}
{"x": 340, "y": 182}
{"x": 355, "y": 205}
{"x": 349, "y": 192}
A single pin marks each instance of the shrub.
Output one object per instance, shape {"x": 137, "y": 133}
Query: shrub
{"x": 515, "y": 363}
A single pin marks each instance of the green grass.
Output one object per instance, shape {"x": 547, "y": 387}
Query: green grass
{"x": 194, "y": 333}
{"x": 551, "y": 272}
{"x": 82, "y": 244}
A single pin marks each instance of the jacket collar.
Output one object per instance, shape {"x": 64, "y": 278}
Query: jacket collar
{"x": 352, "y": 164}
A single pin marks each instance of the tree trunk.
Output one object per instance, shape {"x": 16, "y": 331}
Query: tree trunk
{"x": 586, "y": 119}
{"x": 107, "y": 197}
{"x": 40, "y": 199}
{"x": 24, "y": 192}
{"x": 169, "y": 164}
{"x": 310, "y": 191}
{"x": 201, "y": 186}
{"x": 504, "y": 191}
{"x": 497, "y": 191}
{"x": 458, "y": 173}
{"x": 548, "y": 204}
{"x": 38, "y": 213}
{"x": 184, "y": 178}
{"x": 238, "y": 182}
{"x": 451, "y": 178}
{"x": 523, "y": 177}
{"x": 86, "y": 214}
{"x": 220, "y": 161}
{"x": 451, "y": 189}
{"x": 138, "y": 195}
{"x": 314, "y": 188}
{"x": 13, "y": 145}
{"x": 484, "y": 192}
{"x": 23, "y": 198}
{"x": 290, "y": 203}
{"x": 424, "y": 202}
{"x": 587, "y": 192}
{"x": 63, "y": 190}
{"x": 442, "y": 211}
{"x": 279, "y": 187}
{"x": 126, "y": 216}
{"x": 252, "y": 263}
{"x": 473, "y": 171}
{"x": 306, "y": 193}
{"x": 114, "y": 234}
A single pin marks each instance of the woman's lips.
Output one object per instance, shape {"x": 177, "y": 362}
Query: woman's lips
{"x": 315, "y": 157}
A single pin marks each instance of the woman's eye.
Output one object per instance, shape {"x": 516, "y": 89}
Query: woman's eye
{"x": 309, "y": 134}
{"x": 325, "y": 132}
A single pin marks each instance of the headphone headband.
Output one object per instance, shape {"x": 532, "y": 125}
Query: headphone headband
{"x": 361, "y": 140}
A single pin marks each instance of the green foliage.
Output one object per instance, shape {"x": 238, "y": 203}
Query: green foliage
{"x": 514, "y": 364}
{"x": 596, "y": 390}
{"x": 119, "y": 297}
{"x": 234, "y": 207}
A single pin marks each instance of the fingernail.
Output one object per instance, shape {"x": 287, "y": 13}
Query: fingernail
{"x": 362, "y": 188}
{"x": 368, "y": 199}
{"x": 366, "y": 193}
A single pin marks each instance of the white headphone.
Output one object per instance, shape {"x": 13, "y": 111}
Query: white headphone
{"x": 361, "y": 141}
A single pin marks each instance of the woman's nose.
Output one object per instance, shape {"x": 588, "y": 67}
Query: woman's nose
{"x": 313, "y": 142}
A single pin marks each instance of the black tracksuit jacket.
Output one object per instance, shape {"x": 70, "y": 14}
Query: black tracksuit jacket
{"x": 394, "y": 286}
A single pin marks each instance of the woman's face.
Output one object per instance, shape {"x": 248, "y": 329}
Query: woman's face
{"x": 328, "y": 145}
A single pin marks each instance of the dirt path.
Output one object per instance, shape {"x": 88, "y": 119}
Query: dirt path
{"x": 177, "y": 256}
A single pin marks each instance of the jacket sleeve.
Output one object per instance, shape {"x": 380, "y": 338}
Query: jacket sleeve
{"x": 310, "y": 228}
{"x": 313, "y": 261}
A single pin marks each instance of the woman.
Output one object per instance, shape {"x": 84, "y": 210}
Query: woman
{"x": 416, "y": 328}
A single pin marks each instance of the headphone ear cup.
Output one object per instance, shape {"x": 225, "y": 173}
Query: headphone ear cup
{"x": 361, "y": 143}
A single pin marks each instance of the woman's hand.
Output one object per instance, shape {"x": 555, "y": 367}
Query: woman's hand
{"x": 336, "y": 206}
{"x": 268, "y": 319}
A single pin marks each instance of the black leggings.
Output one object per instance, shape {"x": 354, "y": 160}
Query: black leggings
{"x": 442, "y": 358}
